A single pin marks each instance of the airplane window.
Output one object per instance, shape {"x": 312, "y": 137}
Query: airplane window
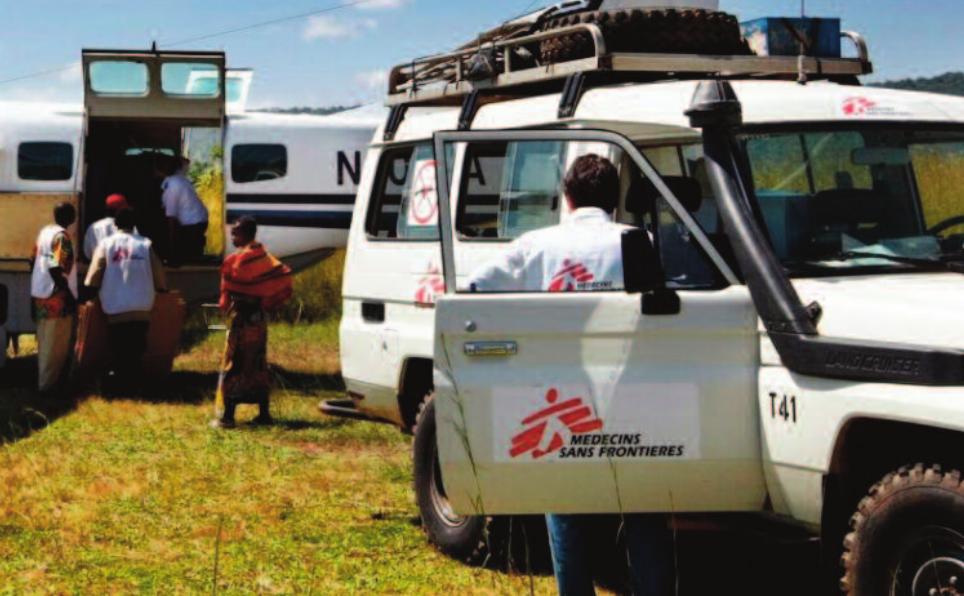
{"x": 258, "y": 163}
{"x": 197, "y": 79}
{"x": 118, "y": 77}
{"x": 45, "y": 161}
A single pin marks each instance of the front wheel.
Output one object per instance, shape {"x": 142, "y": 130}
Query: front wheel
{"x": 467, "y": 538}
{"x": 907, "y": 536}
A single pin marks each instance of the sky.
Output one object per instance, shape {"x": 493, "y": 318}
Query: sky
{"x": 341, "y": 57}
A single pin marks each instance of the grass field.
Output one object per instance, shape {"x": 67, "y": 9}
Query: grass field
{"x": 139, "y": 495}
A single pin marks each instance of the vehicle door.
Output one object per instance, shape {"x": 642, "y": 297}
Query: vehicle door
{"x": 577, "y": 402}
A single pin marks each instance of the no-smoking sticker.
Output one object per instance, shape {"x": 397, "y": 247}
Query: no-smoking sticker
{"x": 423, "y": 202}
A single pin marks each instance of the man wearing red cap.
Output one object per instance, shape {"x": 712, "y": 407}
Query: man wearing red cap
{"x": 104, "y": 228}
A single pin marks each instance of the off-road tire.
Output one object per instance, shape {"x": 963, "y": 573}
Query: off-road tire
{"x": 477, "y": 540}
{"x": 909, "y": 520}
{"x": 668, "y": 31}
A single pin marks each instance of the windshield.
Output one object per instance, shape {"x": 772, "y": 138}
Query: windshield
{"x": 845, "y": 200}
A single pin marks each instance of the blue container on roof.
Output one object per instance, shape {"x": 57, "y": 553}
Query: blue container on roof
{"x": 783, "y": 36}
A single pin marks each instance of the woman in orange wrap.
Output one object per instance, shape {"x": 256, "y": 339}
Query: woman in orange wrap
{"x": 252, "y": 283}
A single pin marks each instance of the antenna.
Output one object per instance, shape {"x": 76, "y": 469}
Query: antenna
{"x": 803, "y": 9}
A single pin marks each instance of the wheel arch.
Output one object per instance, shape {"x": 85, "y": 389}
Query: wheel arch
{"x": 415, "y": 383}
{"x": 865, "y": 450}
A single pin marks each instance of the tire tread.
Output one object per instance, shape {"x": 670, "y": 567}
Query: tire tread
{"x": 905, "y": 478}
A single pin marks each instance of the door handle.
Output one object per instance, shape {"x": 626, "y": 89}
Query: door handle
{"x": 491, "y": 349}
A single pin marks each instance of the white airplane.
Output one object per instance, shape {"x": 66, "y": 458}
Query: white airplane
{"x": 296, "y": 174}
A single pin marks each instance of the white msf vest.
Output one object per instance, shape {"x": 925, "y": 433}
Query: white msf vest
{"x": 41, "y": 283}
{"x": 128, "y": 284}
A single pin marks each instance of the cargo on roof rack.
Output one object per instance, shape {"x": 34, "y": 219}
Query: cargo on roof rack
{"x": 507, "y": 68}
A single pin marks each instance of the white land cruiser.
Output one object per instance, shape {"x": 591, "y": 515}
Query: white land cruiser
{"x": 790, "y": 339}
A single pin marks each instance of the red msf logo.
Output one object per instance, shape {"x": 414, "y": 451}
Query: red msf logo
{"x": 858, "y": 106}
{"x": 547, "y": 430}
{"x": 570, "y": 277}
{"x": 120, "y": 254}
{"x": 429, "y": 288}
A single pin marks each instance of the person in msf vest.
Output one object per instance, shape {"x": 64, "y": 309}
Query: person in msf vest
{"x": 53, "y": 287}
{"x": 127, "y": 272}
{"x": 104, "y": 228}
{"x": 583, "y": 253}
{"x": 252, "y": 283}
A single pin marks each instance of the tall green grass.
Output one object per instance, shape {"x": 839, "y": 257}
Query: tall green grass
{"x": 317, "y": 292}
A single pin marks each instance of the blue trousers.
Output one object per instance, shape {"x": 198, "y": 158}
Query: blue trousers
{"x": 649, "y": 553}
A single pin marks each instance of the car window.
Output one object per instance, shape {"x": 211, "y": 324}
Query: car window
{"x": 258, "y": 162}
{"x": 684, "y": 260}
{"x": 45, "y": 161}
{"x": 509, "y": 189}
{"x": 404, "y": 202}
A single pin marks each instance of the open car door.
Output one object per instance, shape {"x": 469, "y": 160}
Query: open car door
{"x": 576, "y": 401}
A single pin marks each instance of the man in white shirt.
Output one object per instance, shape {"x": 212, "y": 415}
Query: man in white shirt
{"x": 583, "y": 254}
{"x": 128, "y": 273}
{"x": 187, "y": 217}
{"x": 104, "y": 228}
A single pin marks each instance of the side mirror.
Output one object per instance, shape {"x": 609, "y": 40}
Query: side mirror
{"x": 643, "y": 274}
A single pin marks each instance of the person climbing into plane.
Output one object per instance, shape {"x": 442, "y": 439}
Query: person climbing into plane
{"x": 104, "y": 228}
{"x": 584, "y": 253}
{"x": 187, "y": 217}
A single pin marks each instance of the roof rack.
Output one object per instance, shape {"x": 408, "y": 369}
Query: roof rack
{"x": 446, "y": 79}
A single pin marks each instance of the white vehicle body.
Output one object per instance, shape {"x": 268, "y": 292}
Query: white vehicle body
{"x": 304, "y": 213}
{"x": 713, "y": 369}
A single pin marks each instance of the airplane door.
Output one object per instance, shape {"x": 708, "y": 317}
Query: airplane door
{"x": 145, "y": 106}
{"x": 188, "y": 86}
{"x": 577, "y": 402}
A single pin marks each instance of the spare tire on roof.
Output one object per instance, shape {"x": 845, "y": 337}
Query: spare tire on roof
{"x": 668, "y": 31}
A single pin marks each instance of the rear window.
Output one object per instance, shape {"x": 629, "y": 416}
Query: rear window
{"x": 45, "y": 161}
{"x": 404, "y": 204}
{"x": 258, "y": 163}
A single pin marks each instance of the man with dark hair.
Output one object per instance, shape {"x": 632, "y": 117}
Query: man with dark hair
{"x": 53, "y": 287}
{"x": 128, "y": 273}
{"x": 252, "y": 283}
{"x": 584, "y": 253}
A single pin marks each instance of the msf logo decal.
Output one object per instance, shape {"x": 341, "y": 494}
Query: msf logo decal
{"x": 570, "y": 430}
{"x": 550, "y": 429}
{"x": 858, "y": 106}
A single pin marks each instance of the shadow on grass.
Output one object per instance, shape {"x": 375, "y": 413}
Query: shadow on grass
{"x": 23, "y": 410}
